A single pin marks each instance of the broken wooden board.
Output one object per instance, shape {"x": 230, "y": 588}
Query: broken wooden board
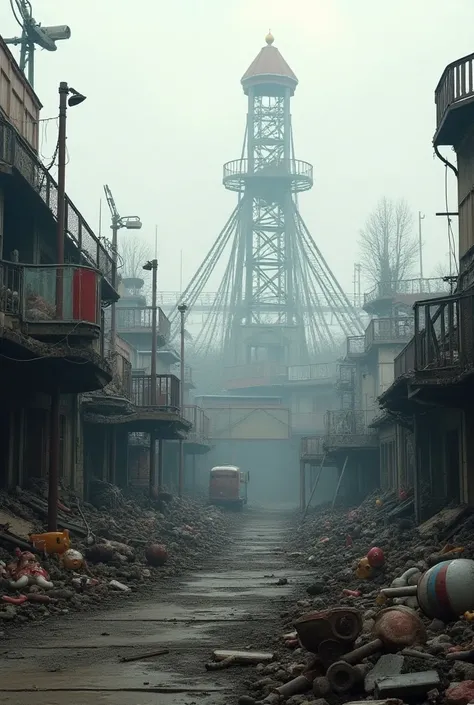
{"x": 20, "y": 527}
{"x": 244, "y": 656}
{"x": 446, "y": 517}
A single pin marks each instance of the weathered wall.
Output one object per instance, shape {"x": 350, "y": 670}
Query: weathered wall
{"x": 18, "y": 102}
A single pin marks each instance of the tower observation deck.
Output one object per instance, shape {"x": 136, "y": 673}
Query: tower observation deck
{"x": 277, "y": 293}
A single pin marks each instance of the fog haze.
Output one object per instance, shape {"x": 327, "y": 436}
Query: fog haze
{"x": 165, "y": 109}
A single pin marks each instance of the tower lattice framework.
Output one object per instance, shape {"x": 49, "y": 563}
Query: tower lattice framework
{"x": 278, "y": 299}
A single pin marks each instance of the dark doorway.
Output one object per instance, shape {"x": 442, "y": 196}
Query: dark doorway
{"x": 452, "y": 466}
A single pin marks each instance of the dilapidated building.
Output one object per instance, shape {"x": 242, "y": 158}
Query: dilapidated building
{"x": 431, "y": 395}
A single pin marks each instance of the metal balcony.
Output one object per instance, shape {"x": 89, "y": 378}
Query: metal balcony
{"x": 51, "y": 299}
{"x": 405, "y": 288}
{"x": 200, "y": 430}
{"x": 17, "y": 154}
{"x": 349, "y": 428}
{"x": 393, "y": 331}
{"x": 139, "y": 321}
{"x": 454, "y": 101}
{"x": 167, "y": 392}
{"x": 293, "y": 173}
{"x": 312, "y": 448}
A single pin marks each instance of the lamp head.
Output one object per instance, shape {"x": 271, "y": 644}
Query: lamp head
{"x": 182, "y": 308}
{"x": 75, "y": 98}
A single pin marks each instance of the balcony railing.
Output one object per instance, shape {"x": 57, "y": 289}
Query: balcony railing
{"x": 444, "y": 335}
{"x": 50, "y": 293}
{"x": 405, "y": 360}
{"x": 355, "y": 345}
{"x": 352, "y": 421}
{"x": 389, "y": 330}
{"x": 318, "y": 371}
{"x": 312, "y": 446}
{"x": 456, "y": 84}
{"x": 17, "y": 154}
{"x": 297, "y": 172}
{"x": 200, "y": 431}
{"x": 124, "y": 374}
{"x": 349, "y": 428}
{"x": 167, "y": 392}
{"x": 139, "y": 320}
{"x": 405, "y": 287}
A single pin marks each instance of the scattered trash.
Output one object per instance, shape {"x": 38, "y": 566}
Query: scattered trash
{"x": 119, "y": 586}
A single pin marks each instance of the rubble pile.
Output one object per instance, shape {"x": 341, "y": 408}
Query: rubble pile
{"x": 394, "y": 650}
{"x": 115, "y": 544}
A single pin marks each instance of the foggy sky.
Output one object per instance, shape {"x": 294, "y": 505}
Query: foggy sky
{"x": 165, "y": 110}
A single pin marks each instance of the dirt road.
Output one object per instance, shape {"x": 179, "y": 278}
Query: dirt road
{"x": 232, "y": 602}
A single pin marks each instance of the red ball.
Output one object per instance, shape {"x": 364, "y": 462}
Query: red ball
{"x": 376, "y": 557}
{"x": 156, "y": 554}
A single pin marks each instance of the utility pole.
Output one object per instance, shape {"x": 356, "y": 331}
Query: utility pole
{"x": 421, "y": 216}
{"x": 130, "y": 222}
{"x": 182, "y": 308}
{"x": 54, "y": 441}
{"x": 152, "y": 266}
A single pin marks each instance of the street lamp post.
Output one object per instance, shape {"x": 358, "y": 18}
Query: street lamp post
{"x": 130, "y": 222}
{"x": 182, "y": 308}
{"x": 75, "y": 98}
{"x": 152, "y": 266}
{"x": 421, "y": 217}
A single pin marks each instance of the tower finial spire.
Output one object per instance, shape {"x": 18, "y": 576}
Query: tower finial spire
{"x": 269, "y": 38}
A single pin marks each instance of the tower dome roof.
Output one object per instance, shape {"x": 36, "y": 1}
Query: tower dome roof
{"x": 269, "y": 68}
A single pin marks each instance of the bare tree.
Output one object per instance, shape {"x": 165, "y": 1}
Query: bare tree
{"x": 387, "y": 245}
{"x": 133, "y": 253}
{"x": 441, "y": 272}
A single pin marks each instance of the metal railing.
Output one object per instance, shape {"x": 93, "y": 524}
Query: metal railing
{"x": 444, "y": 335}
{"x": 348, "y": 422}
{"x": 123, "y": 368}
{"x": 389, "y": 330}
{"x": 131, "y": 319}
{"x": 406, "y": 287}
{"x": 355, "y": 345}
{"x": 456, "y": 84}
{"x": 283, "y": 167}
{"x": 167, "y": 391}
{"x": 11, "y": 288}
{"x": 312, "y": 446}
{"x": 316, "y": 371}
{"x": 405, "y": 360}
{"x": 200, "y": 431}
{"x": 15, "y": 152}
{"x": 50, "y": 293}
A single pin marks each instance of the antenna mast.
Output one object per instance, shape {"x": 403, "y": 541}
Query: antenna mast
{"x": 33, "y": 34}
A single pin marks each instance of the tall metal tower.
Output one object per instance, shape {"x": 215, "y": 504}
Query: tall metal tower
{"x": 278, "y": 297}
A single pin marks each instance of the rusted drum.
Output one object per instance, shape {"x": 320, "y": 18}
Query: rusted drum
{"x": 339, "y": 624}
{"x": 446, "y": 590}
